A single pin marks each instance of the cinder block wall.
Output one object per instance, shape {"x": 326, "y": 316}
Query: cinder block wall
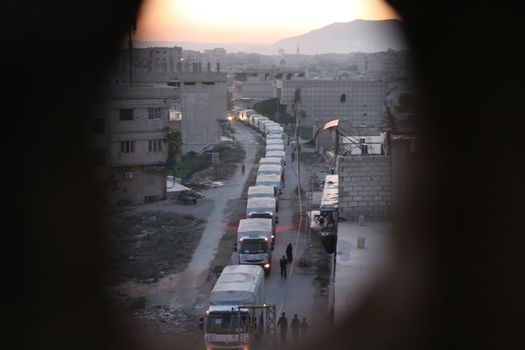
{"x": 364, "y": 187}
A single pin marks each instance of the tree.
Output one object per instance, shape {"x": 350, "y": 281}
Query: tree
{"x": 174, "y": 140}
{"x": 267, "y": 107}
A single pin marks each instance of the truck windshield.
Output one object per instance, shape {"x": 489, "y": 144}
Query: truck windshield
{"x": 252, "y": 246}
{"x": 226, "y": 323}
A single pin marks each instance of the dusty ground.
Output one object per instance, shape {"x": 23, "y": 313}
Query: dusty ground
{"x": 151, "y": 245}
{"x": 154, "y": 244}
{"x": 151, "y": 249}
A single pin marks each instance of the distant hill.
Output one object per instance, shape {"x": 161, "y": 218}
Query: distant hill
{"x": 354, "y": 36}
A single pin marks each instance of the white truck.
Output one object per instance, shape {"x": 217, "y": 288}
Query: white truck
{"x": 276, "y": 154}
{"x": 270, "y": 180}
{"x": 275, "y": 130}
{"x": 275, "y": 134}
{"x": 270, "y": 169}
{"x": 274, "y": 147}
{"x": 272, "y": 127}
{"x": 228, "y": 324}
{"x": 271, "y": 160}
{"x": 274, "y": 141}
{"x": 262, "y": 208}
{"x": 255, "y": 243}
{"x": 264, "y": 192}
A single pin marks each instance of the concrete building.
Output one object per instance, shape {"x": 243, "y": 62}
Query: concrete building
{"x": 131, "y": 127}
{"x": 357, "y": 102}
{"x": 253, "y": 85}
{"x": 203, "y": 103}
{"x": 129, "y": 138}
{"x": 382, "y": 65}
{"x": 153, "y": 64}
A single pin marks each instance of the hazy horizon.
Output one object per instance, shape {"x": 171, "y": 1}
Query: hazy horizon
{"x": 248, "y": 22}
{"x": 340, "y": 37}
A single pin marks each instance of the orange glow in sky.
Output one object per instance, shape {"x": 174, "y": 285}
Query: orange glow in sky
{"x": 248, "y": 21}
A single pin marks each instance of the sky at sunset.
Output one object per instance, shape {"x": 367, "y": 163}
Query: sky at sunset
{"x": 248, "y": 21}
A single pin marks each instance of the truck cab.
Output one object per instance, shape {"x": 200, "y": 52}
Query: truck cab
{"x": 255, "y": 242}
{"x": 228, "y": 327}
{"x": 230, "y": 320}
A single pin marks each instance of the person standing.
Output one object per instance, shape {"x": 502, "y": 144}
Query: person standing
{"x": 282, "y": 263}
{"x": 289, "y": 254}
{"x": 282, "y": 323}
{"x": 242, "y": 168}
{"x": 295, "y": 326}
{"x": 304, "y": 328}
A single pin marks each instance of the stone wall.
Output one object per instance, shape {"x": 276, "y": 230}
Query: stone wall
{"x": 364, "y": 187}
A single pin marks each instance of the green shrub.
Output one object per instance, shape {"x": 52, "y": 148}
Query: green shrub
{"x": 190, "y": 163}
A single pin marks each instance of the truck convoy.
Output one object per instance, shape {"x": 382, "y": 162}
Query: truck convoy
{"x": 255, "y": 242}
{"x": 237, "y": 311}
{"x": 231, "y": 320}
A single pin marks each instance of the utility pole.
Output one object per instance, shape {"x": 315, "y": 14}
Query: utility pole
{"x": 336, "y": 151}
{"x": 297, "y": 100}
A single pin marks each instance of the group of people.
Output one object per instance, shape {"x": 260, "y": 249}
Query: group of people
{"x": 283, "y": 262}
{"x": 297, "y": 326}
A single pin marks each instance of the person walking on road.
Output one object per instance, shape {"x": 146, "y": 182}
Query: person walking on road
{"x": 282, "y": 323}
{"x": 242, "y": 168}
{"x": 304, "y": 328}
{"x": 282, "y": 263}
{"x": 289, "y": 255}
{"x": 295, "y": 326}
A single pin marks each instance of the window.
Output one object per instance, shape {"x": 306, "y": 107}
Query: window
{"x": 154, "y": 113}
{"x": 127, "y": 147}
{"x": 155, "y": 145}
{"x": 126, "y": 114}
{"x": 175, "y": 115}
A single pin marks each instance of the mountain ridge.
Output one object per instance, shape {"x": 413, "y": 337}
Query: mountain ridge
{"x": 338, "y": 37}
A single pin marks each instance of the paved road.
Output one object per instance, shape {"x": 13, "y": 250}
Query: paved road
{"x": 297, "y": 293}
{"x": 217, "y": 219}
